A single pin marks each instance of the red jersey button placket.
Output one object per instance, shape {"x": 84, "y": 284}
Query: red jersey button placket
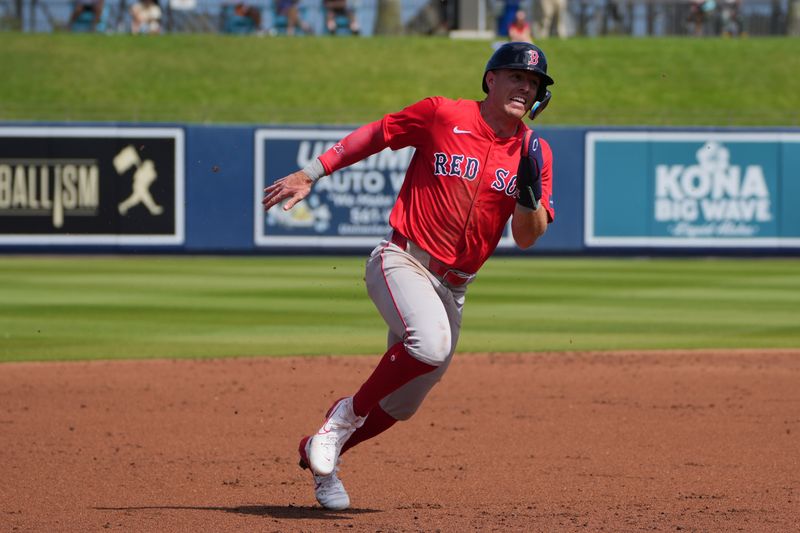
{"x": 476, "y": 193}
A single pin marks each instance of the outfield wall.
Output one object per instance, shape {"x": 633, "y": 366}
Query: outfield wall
{"x": 197, "y": 189}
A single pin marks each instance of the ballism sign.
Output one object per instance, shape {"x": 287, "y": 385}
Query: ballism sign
{"x": 692, "y": 189}
{"x": 93, "y": 185}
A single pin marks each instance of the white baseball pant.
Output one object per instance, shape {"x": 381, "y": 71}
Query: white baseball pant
{"x": 421, "y": 311}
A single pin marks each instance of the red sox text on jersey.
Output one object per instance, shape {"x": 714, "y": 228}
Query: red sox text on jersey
{"x": 459, "y": 189}
{"x": 464, "y": 176}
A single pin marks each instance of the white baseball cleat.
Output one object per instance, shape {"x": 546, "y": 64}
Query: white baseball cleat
{"x": 329, "y": 490}
{"x": 325, "y": 446}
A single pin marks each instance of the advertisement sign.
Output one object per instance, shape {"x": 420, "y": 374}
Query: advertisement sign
{"x": 691, "y": 189}
{"x": 348, "y": 208}
{"x": 91, "y": 185}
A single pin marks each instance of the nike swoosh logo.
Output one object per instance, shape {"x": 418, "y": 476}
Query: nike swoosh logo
{"x": 456, "y": 129}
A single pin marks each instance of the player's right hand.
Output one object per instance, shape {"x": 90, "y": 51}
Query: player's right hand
{"x": 295, "y": 186}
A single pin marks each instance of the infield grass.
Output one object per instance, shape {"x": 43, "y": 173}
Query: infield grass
{"x": 209, "y": 78}
{"x": 144, "y": 307}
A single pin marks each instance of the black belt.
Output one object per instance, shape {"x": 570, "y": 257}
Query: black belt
{"x": 451, "y": 276}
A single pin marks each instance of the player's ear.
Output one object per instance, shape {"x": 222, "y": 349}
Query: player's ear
{"x": 490, "y": 78}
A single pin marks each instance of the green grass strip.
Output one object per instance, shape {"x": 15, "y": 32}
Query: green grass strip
{"x": 77, "y": 308}
{"x": 209, "y": 78}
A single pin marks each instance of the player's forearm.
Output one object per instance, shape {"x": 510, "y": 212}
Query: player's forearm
{"x": 528, "y": 225}
{"x": 360, "y": 144}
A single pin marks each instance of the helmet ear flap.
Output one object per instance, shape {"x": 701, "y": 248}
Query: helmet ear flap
{"x": 542, "y": 93}
{"x": 540, "y": 104}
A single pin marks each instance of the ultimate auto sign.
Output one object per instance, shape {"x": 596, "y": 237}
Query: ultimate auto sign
{"x": 64, "y": 185}
{"x": 349, "y": 208}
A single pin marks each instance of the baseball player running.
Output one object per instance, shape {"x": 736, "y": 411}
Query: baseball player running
{"x": 475, "y": 165}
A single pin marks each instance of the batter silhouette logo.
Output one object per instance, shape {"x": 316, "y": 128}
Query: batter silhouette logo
{"x": 143, "y": 177}
{"x": 64, "y": 185}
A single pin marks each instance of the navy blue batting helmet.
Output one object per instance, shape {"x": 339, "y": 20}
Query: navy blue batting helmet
{"x": 520, "y": 56}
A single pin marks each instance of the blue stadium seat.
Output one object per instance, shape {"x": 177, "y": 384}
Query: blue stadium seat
{"x": 84, "y": 23}
{"x": 279, "y": 23}
{"x": 342, "y": 25}
{"x": 236, "y": 24}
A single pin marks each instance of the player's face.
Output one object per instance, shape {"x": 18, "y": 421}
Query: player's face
{"x": 514, "y": 90}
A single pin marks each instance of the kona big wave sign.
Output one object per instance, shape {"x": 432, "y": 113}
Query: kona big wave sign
{"x": 691, "y": 189}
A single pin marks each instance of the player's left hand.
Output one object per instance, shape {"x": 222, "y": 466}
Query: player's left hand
{"x": 529, "y": 176}
{"x": 295, "y": 186}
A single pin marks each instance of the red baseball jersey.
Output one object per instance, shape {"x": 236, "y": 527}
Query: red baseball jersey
{"x": 460, "y": 188}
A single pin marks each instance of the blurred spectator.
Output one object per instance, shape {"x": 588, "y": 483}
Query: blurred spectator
{"x": 88, "y": 15}
{"x": 146, "y": 17}
{"x": 338, "y": 14}
{"x": 731, "y": 18}
{"x": 699, "y": 14}
{"x": 240, "y": 18}
{"x": 506, "y": 11}
{"x": 612, "y": 17}
{"x": 435, "y": 17}
{"x": 793, "y": 24}
{"x": 554, "y": 10}
{"x": 520, "y": 29}
{"x": 289, "y": 12}
{"x": 448, "y": 14}
{"x": 250, "y": 12}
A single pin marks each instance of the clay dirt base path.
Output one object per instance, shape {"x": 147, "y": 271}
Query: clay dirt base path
{"x": 551, "y": 442}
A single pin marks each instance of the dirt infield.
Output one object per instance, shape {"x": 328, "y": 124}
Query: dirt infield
{"x": 695, "y": 441}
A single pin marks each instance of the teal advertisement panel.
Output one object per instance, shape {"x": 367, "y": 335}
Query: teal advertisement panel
{"x": 691, "y": 189}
